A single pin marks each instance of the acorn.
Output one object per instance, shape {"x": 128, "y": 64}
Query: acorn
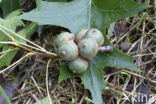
{"x": 63, "y": 36}
{"x": 78, "y": 65}
{"x": 68, "y": 50}
{"x": 96, "y": 35}
{"x": 88, "y": 48}
{"x": 80, "y": 35}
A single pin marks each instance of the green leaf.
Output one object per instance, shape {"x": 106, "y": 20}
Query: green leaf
{"x": 94, "y": 81}
{"x": 26, "y": 32}
{"x": 44, "y": 101}
{"x": 72, "y": 15}
{"x": 11, "y": 22}
{"x": 80, "y": 14}
{"x": 4, "y": 95}
{"x": 7, "y": 55}
{"x": 9, "y": 5}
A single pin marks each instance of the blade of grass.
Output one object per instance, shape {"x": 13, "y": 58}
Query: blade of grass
{"x": 4, "y": 95}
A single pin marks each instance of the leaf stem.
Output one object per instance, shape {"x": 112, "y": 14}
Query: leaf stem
{"x": 137, "y": 75}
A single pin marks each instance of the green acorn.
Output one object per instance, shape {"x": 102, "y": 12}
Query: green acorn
{"x": 80, "y": 35}
{"x": 78, "y": 65}
{"x": 64, "y": 36}
{"x": 68, "y": 50}
{"x": 88, "y": 48}
{"x": 96, "y": 35}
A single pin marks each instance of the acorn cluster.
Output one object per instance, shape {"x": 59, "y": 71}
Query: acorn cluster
{"x": 79, "y": 50}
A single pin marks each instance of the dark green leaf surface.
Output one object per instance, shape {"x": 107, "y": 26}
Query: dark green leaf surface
{"x": 94, "y": 81}
{"x": 80, "y": 14}
{"x": 9, "y": 5}
{"x": 72, "y": 15}
{"x": 105, "y": 12}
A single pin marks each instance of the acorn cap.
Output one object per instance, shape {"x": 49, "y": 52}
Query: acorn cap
{"x": 63, "y": 36}
{"x": 80, "y": 35}
{"x": 78, "y": 65}
{"x": 88, "y": 48}
{"x": 68, "y": 50}
{"x": 96, "y": 35}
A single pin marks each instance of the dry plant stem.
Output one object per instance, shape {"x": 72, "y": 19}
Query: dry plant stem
{"x": 82, "y": 99}
{"x": 21, "y": 95}
{"x": 34, "y": 96}
{"x": 73, "y": 83}
{"x": 37, "y": 86}
{"x": 47, "y": 88}
{"x": 139, "y": 76}
{"x": 20, "y": 37}
{"x": 106, "y": 48}
{"x": 37, "y": 49}
{"x": 145, "y": 54}
{"x": 45, "y": 54}
{"x": 119, "y": 89}
{"x": 28, "y": 54}
{"x": 9, "y": 50}
{"x": 7, "y": 34}
{"x": 116, "y": 87}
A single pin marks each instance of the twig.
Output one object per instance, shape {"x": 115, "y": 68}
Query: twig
{"x": 116, "y": 87}
{"x": 28, "y": 54}
{"x": 21, "y": 37}
{"x": 106, "y": 48}
{"x": 82, "y": 99}
{"x": 37, "y": 86}
{"x": 7, "y": 34}
{"x": 45, "y": 54}
{"x": 51, "y": 55}
{"x": 139, "y": 76}
{"x": 48, "y": 94}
